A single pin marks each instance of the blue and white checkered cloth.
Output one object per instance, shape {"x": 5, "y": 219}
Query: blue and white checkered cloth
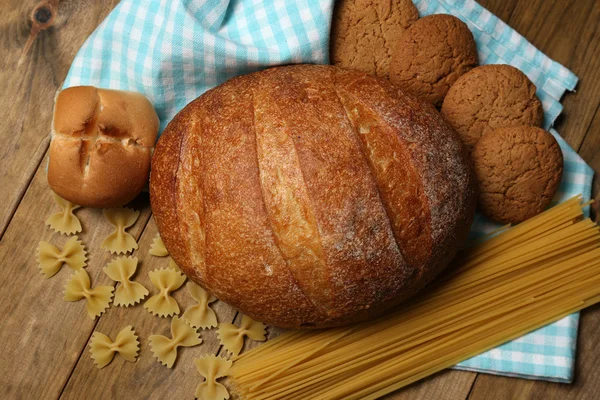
{"x": 175, "y": 50}
{"x": 549, "y": 352}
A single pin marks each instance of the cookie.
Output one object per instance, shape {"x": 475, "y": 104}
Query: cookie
{"x": 518, "y": 170}
{"x": 431, "y": 55}
{"x": 363, "y": 32}
{"x": 490, "y": 97}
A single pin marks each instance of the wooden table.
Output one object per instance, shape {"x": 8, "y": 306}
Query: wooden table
{"x": 43, "y": 339}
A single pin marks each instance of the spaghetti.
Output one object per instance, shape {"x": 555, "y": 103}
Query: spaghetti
{"x": 513, "y": 282}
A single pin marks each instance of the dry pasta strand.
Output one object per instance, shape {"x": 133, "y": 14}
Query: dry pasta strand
{"x": 103, "y": 349}
{"x": 51, "y": 259}
{"x": 515, "y": 281}
{"x": 64, "y": 221}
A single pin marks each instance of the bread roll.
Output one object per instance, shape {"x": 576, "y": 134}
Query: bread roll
{"x": 102, "y": 142}
{"x": 310, "y": 196}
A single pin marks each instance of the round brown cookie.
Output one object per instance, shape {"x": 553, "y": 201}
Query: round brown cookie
{"x": 489, "y": 97}
{"x": 431, "y": 55}
{"x": 518, "y": 170}
{"x": 363, "y": 31}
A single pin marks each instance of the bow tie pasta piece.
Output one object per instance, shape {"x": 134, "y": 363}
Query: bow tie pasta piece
{"x": 166, "y": 280}
{"x": 212, "y": 368}
{"x": 200, "y": 315}
{"x": 120, "y": 241}
{"x": 158, "y": 248}
{"x": 232, "y": 337}
{"x": 103, "y": 349}
{"x": 128, "y": 292}
{"x": 97, "y": 299}
{"x": 165, "y": 349}
{"x": 51, "y": 259}
{"x": 64, "y": 221}
{"x": 173, "y": 265}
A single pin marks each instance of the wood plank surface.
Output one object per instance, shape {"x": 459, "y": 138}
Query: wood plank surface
{"x": 124, "y": 378}
{"x": 568, "y": 32}
{"x": 587, "y": 379}
{"x": 28, "y": 89}
{"x": 44, "y": 350}
{"x": 42, "y": 336}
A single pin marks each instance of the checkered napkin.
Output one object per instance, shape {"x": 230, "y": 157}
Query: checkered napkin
{"x": 175, "y": 50}
{"x": 549, "y": 352}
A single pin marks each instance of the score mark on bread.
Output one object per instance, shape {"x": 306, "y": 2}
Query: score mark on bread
{"x": 101, "y": 146}
{"x": 271, "y": 180}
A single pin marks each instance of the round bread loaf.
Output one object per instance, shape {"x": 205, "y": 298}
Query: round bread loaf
{"x": 311, "y": 196}
{"x": 101, "y": 146}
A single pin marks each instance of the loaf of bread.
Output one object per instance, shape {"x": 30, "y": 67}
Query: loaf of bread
{"x": 102, "y": 142}
{"x": 311, "y": 196}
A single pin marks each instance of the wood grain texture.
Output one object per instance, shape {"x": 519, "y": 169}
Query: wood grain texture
{"x": 568, "y": 32}
{"x": 590, "y": 151}
{"x": 44, "y": 348}
{"x": 42, "y": 336}
{"x": 28, "y": 89}
{"x": 146, "y": 378}
{"x": 446, "y": 385}
{"x": 587, "y": 380}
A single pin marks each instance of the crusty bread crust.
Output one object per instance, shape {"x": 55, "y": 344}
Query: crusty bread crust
{"x": 101, "y": 145}
{"x": 310, "y": 196}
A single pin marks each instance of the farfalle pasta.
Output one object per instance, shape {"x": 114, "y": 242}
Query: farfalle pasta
{"x": 51, "y": 258}
{"x": 232, "y": 337}
{"x": 103, "y": 349}
{"x": 127, "y": 292}
{"x": 120, "y": 241}
{"x": 158, "y": 248}
{"x": 200, "y": 315}
{"x": 64, "y": 221}
{"x": 173, "y": 265}
{"x": 166, "y": 280}
{"x": 97, "y": 299}
{"x": 212, "y": 368}
{"x": 182, "y": 335}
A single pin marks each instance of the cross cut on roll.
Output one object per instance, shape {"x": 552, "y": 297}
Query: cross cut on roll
{"x": 101, "y": 146}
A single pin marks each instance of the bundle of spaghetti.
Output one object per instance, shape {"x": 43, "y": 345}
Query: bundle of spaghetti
{"x": 512, "y": 282}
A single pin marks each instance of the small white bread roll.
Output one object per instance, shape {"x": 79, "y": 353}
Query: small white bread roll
{"x": 102, "y": 143}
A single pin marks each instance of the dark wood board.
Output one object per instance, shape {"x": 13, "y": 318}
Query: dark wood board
{"x": 44, "y": 348}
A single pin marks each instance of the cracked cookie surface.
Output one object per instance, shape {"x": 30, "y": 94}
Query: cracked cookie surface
{"x": 363, "y": 33}
{"x": 518, "y": 171}
{"x": 431, "y": 55}
{"x": 490, "y": 97}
